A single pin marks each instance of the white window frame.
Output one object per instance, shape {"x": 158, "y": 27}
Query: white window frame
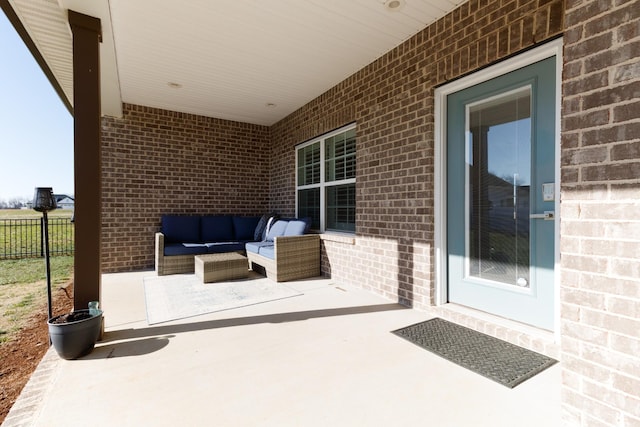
{"x": 322, "y": 185}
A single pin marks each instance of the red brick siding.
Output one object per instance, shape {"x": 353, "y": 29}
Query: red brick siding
{"x": 391, "y": 100}
{"x": 159, "y": 162}
{"x": 600, "y": 237}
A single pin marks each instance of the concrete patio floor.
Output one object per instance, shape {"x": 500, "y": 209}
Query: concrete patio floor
{"x": 325, "y": 358}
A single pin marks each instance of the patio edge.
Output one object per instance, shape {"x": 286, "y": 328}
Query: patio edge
{"x": 26, "y": 408}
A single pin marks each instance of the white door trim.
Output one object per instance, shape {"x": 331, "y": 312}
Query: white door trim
{"x": 553, "y": 48}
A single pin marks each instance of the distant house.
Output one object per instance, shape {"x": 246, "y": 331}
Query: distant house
{"x": 64, "y": 201}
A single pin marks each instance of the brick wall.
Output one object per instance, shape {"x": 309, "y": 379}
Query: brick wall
{"x": 391, "y": 100}
{"x": 600, "y": 239}
{"x": 159, "y": 162}
{"x": 171, "y": 156}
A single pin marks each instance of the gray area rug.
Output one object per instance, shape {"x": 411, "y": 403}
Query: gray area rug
{"x": 491, "y": 357}
{"x": 179, "y": 296}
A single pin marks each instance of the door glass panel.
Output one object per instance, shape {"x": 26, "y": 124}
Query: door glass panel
{"x": 498, "y": 182}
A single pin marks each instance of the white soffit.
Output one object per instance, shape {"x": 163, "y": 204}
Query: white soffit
{"x": 233, "y": 58}
{"x": 252, "y": 61}
{"x": 47, "y": 26}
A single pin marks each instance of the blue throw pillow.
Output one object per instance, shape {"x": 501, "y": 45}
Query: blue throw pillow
{"x": 259, "y": 231}
{"x": 276, "y": 230}
{"x": 217, "y": 228}
{"x": 295, "y": 227}
{"x": 181, "y": 228}
{"x": 272, "y": 220}
{"x": 245, "y": 226}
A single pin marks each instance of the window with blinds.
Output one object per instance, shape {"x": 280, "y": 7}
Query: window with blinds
{"x": 326, "y": 181}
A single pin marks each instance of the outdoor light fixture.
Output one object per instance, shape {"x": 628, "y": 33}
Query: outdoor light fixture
{"x": 43, "y": 201}
{"x": 393, "y": 5}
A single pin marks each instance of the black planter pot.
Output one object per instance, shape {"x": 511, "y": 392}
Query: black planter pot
{"x": 75, "y": 339}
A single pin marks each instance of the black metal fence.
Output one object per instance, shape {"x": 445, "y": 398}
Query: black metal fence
{"x": 23, "y": 238}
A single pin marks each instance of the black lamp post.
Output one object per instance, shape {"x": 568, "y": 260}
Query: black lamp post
{"x": 43, "y": 201}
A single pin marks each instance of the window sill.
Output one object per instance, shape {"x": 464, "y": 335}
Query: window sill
{"x": 346, "y": 238}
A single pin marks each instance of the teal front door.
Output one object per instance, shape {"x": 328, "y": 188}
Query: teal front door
{"x": 501, "y": 195}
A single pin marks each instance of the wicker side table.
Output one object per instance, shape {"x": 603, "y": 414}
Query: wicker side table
{"x": 224, "y": 266}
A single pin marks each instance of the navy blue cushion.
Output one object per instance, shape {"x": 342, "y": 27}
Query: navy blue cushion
{"x": 255, "y": 246}
{"x": 308, "y": 220}
{"x": 219, "y": 247}
{"x": 244, "y": 227}
{"x": 276, "y": 230}
{"x": 184, "y": 249}
{"x": 258, "y": 233}
{"x": 268, "y": 252}
{"x": 180, "y": 228}
{"x": 217, "y": 228}
{"x": 296, "y": 227}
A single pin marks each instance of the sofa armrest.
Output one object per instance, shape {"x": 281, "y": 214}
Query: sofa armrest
{"x": 291, "y": 246}
{"x": 297, "y": 257}
{"x": 159, "y": 251}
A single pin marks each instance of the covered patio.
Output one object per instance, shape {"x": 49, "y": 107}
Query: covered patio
{"x": 210, "y": 108}
{"x": 326, "y": 357}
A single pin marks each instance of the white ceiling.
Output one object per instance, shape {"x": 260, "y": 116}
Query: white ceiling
{"x": 252, "y": 61}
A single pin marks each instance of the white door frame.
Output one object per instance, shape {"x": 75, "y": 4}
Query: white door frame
{"x": 553, "y": 48}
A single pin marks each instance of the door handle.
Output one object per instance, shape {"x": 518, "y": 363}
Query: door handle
{"x": 547, "y": 216}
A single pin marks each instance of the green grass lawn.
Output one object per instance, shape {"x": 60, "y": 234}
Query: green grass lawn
{"x": 16, "y": 271}
{"x": 30, "y": 213}
{"x": 23, "y": 289}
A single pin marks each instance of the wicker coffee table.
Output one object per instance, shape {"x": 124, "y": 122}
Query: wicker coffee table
{"x": 224, "y": 266}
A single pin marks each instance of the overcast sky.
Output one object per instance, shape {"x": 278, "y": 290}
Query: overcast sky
{"x": 36, "y": 130}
